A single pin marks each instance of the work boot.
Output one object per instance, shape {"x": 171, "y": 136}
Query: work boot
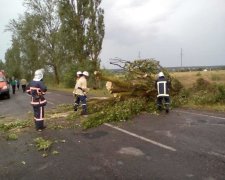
{"x": 75, "y": 107}
{"x": 83, "y": 113}
{"x": 41, "y": 129}
{"x": 159, "y": 108}
{"x": 167, "y": 108}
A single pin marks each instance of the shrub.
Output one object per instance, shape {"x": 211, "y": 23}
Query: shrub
{"x": 176, "y": 86}
{"x": 198, "y": 74}
{"x": 203, "y": 97}
{"x": 220, "y": 95}
{"x": 201, "y": 84}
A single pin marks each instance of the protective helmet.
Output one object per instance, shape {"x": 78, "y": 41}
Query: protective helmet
{"x": 79, "y": 73}
{"x": 85, "y": 73}
{"x": 161, "y": 74}
{"x": 38, "y": 75}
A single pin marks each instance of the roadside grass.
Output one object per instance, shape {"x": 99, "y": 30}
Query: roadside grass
{"x": 203, "y": 90}
{"x": 214, "y": 107}
{"x": 13, "y": 125}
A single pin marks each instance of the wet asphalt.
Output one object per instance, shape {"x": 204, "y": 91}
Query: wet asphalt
{"x": 184, "y": 144}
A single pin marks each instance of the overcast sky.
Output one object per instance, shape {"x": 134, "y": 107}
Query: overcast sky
{"x": 152, "y": 29}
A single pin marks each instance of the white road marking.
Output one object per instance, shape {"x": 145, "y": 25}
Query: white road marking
{"x": 216, "y": 117}
{"x": 141, "y": 137}
{"x": 50, "y": 102}
{"x": 217, "y": 154}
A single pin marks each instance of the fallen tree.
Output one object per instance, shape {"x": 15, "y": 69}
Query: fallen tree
{"x": 133, "y": 91}
{"x": 138, "y": 79}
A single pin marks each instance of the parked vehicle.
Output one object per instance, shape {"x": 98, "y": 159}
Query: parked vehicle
{"x": 4, "y": 86}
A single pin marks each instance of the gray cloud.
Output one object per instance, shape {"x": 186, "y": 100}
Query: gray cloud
{"x": 195, "y": 26}
{"x": 155, "y": 28}
{"x": 9, "y": 9}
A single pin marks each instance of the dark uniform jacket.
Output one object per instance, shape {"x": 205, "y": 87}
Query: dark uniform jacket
{"x": 162, "y": 86}
{"x": 37, "y": 91}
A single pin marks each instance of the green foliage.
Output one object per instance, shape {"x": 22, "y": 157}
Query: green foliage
{"x": 12, "y": 137}
{"x": 149, "y": 66}
{"x": 116, "y": 111}
{"x": 13, "y": 125}
{"x": 72, "y": 116}
{"x": 13, "y": 60}
{"x": 203, "y": 97}
{"x": 56, "y": 35}
{"x": 82, "y": 29}
{"x": 42, "y": 144}
{"x": 69, "y": 77}
{"x": 220, "y": 95}
{"x": 2, "y": 65}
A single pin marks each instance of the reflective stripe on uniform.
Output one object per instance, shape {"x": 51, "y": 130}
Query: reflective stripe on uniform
{"x": 36, "y": 119}
{"x": 162, "y": 95}
{"x": 161, "y": 88}
{"x": 38, "y": 102}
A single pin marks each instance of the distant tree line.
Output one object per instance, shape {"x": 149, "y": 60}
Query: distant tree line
{"x": 195, "y": 68}
{"x": 61, "y": 36}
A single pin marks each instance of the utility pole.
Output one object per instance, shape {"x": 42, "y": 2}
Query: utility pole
{"x": 181, "y": 58}
{"x": 139, "y": 54}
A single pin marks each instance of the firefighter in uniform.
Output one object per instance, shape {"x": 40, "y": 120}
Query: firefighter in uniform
{"x": 37, "y": 89}
{"x": 162, "y": 86}
{"x": 75, "y": 95}
{"x": 81, "y": 91}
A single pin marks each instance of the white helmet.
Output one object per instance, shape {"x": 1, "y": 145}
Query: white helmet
{"x": 161, "y": 74}
{"x": 79, "y": 73}
{"x": 38, "y": 75}
{"x": 85, "y": 73}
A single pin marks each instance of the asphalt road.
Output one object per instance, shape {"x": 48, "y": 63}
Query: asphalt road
{"x": 180, "y": 145}
{"x": 19, "y": 103}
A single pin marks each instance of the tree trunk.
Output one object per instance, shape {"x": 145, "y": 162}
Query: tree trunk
{"x": 56, "y": 75}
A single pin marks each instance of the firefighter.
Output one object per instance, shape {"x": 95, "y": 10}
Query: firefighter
{"x": 75, "y": 95}
{"x": 162, "y": 86}
{"x": 37, "y": 89}
{"x": 81, "y": 91}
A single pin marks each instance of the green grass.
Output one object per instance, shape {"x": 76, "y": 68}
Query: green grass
{"x": 12, "y": 137}
{"x": 42, "y": 144}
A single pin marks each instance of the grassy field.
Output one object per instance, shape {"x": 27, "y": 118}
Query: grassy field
{"x": 189, "y": 78}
